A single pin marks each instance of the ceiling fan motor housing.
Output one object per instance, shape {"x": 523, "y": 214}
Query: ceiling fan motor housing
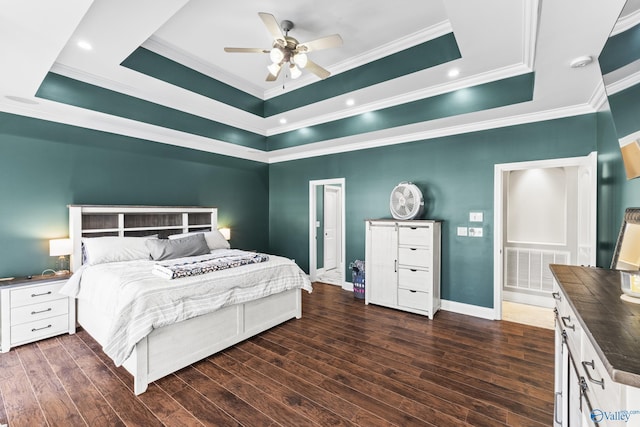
{"x": 406, "y": 201}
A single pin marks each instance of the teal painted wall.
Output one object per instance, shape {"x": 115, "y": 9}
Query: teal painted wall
{"x": 456, "y": 176}
{"x": 45, "y": 166}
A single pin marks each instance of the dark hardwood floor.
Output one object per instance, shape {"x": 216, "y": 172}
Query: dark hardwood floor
{"x": 343, "y": 363}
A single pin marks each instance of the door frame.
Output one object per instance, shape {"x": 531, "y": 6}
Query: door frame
{"x": 498, "y": 209}
{"x": 313, "y": 247}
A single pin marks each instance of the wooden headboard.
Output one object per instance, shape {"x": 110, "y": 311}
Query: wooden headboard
{"x": 117, "y": 220}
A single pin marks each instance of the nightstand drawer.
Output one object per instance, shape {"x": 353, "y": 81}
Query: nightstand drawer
{"x": 33, "y": 331}
{"x": 415, "y": 280}
{"x": 413, "y": 299}
{"x": 36, "y": 294}
{"x": 415, "y": 235}
{"x": 43, "y": 310}
{"x": 418, "y": 257}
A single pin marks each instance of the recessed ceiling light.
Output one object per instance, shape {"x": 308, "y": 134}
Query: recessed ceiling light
{"x": 454, "y": 72}
{"x": 283, "y": 121}
{"x": 350, "y": 102}
{"x": 82, "y": 44}
{"x": 581, "y": 61}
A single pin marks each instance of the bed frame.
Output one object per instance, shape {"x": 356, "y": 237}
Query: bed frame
{"x": 170, "y": 348}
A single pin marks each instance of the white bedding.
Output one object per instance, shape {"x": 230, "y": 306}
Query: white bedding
{"x": 138, "y": 301}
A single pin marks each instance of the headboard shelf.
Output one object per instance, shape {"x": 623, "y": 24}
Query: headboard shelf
{"x": 119, "y": 220}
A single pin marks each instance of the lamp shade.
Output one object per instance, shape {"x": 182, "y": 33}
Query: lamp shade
{"x": 226, "y": 232}
{"x": 631, "y": 159}
{"x": 60, "y": 247}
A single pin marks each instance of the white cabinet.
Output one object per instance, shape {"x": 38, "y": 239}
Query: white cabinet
{"x": 403, "y": 265}
{"x": 585, "y": 394}
{"x": 32, "y": 309}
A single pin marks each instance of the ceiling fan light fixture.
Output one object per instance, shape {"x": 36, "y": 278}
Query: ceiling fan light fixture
{"x": 274, "y": 68}
{"x": 300, "y": 59}
{"x": 276, "y": 55}
{"x": 295, "y": 71}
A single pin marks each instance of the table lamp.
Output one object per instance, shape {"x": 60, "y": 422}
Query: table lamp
{"x": 60, "y": 248}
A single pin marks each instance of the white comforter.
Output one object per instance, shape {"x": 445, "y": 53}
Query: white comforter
{"x": 137, "y": 301}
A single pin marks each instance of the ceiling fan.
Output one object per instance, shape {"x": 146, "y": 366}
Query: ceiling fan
{"x": 286, "y": 49}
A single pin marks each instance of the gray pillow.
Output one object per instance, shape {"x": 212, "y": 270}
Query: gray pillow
{"x": 177, "y": 248}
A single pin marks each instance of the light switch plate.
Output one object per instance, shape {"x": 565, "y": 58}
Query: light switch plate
{"x": 475, "y": 217}
{"x": 462, "y": 231}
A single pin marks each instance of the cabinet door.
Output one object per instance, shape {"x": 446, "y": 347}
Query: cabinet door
{"x": 382, "y": 264}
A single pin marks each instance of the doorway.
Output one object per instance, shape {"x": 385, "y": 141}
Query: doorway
{"x": 545, "y": 212}
{"x": 327, "y": 231}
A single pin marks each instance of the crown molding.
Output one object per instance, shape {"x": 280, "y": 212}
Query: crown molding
{"x": 626, "y": 22}
{"x": 89, "y": 119}
{"x": 531, "y": 12}
{"x": 405, "y": 134}
{"x": 623, "y": 78}
{"x": 599, "y": 96}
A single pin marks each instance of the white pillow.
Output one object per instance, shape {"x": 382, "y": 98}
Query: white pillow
{"x": 215, "y": 239}
{"x": 100, "y": 250}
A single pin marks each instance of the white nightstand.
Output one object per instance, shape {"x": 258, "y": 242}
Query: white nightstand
{"x": 32, "y": 309}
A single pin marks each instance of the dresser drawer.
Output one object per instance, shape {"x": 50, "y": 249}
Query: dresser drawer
{"x": 418, "y": 257}
{"x": 414, "y": 299}
{"x": 33, "y": 331}
{"x": 415, "y": 236}
{"x": 36, "y": 294}
{"x": 414, "y": 279}
{"x": 43, "y": 310}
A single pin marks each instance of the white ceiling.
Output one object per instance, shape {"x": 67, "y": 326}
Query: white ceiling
{"x": 497, "y": 39}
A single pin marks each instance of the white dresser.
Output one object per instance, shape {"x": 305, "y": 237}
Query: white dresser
{"x": 32, "y": 309}
{"x": 402, "y": 268}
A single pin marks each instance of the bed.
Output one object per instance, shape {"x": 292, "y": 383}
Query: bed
{"x": 239, "y": 312}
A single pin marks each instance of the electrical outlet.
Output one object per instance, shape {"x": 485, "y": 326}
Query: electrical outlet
{"x": 475, "y": 231}
{"x": 462, "y": 231}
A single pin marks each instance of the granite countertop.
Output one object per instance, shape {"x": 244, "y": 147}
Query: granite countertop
{"x": 611, "y": 324}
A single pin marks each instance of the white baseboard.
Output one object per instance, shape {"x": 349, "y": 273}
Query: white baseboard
{"x": 468, "y": 309}
{"x": 347, "y": 286}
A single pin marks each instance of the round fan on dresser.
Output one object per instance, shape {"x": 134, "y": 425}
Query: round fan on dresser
{"x": 406, "y": 201}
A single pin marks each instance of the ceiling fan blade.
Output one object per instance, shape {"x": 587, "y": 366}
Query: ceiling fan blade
{"x": 245, "y": 50}
{"x": 271, "y": 77}
{"x": 274, "y": 28}
{"x": 317, "y": 70}
{"x": 327, "y": 42}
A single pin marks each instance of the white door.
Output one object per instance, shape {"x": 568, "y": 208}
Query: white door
{"x": 331, "y": 227}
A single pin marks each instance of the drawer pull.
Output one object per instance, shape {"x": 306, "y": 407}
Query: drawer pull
{"x": 39, "y": 329}
{"x": 566, "y": 319}
{"x": 395, "y": 265}
{"x": 591, "y": 364}
{"x": 556, "y": 407}
{"x": 413, "y": 270}
{"x": 556, "y": 295}
{"x": 41, "y": 311}
{"x": 42, "y": 294}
